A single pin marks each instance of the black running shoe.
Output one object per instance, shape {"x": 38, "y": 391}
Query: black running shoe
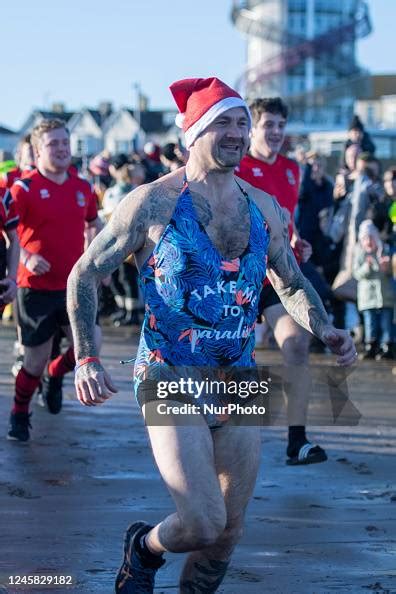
{"x": 52, "y": 393}
{"x": 135, "y": 575}
{"x": 19, "y": 427}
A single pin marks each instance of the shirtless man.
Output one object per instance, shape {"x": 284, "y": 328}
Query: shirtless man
{"x": 201, "y": 242}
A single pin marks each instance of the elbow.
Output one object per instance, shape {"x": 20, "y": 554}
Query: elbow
{"x": 75, "y": 273}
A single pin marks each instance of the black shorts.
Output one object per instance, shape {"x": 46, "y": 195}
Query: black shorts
{"x": 40, "y": 314}
{"x": 268, "y": 297}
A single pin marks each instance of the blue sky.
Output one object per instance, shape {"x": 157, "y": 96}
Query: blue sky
{"x": 81, "y": 52}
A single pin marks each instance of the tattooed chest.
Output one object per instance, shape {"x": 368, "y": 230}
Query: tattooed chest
{"x": 228, "y": 227}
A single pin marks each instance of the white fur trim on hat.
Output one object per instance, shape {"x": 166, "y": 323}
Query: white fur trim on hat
{"x": 179, "y": 119}
{"x": 217, "y": 109}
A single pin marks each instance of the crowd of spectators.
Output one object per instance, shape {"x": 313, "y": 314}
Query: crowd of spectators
{"x": 349, "y": 218}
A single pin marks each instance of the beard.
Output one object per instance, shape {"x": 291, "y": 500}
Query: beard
{"x": 229, "y": 158}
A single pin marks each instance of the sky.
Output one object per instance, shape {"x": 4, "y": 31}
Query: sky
{"x": 81, "y": 52}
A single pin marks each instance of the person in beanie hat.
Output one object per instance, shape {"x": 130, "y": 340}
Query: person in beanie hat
{"x": 375, "y": 296}
{"x": 203, "y": 242}
{"x": 358, "y": 135}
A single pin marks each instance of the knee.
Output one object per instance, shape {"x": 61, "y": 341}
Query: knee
{"x": 295, "y": 349}
{"x": 204, "y": 529}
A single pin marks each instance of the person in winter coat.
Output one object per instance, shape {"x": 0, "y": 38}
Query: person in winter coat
{"x": 375, "y": 296}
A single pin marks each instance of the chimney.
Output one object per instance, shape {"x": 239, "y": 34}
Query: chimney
{"x": 143, "y": 102}
{"x": 105, "y": 108}
{"x": 58, "y": 108}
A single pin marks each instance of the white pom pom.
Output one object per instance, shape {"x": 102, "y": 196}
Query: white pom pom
{"x": 179, "y": 119}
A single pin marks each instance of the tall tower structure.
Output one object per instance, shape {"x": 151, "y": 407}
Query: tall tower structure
{"x": 304, "y": 51}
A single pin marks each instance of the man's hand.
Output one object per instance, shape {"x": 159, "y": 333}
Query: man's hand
{"x": 303, "y": 249}
{"x": 9, "y": 292}
{"x": 37, "y": 265}
{"x": 93, "y": 384}
{"x": 340, "y": 343}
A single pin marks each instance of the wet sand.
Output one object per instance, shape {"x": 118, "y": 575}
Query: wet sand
{"x": 67, "y": 496}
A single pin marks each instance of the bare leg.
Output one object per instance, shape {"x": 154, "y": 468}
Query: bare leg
{"x": 185, "y": 458}
{"x": 35, "y": 358}
{"x": 237, "y": 458}
{"x": 210, "y": 476}
{"x": 293, "y": 342}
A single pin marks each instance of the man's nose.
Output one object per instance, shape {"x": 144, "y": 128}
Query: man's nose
{"x": 234, "y": 131}
{"x": 277, "y": 130}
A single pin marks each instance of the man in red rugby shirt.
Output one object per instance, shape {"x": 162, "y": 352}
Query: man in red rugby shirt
{"x": 266, "y": 169}
{"x": 9, "y": 254}
{"x": 25, "y": 163}
{"x": 55, "y": 209}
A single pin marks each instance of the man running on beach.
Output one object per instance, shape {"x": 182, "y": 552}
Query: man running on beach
{"x": 203, "y": 243}
{"x": 55, "y": 210}
{"x": 266, "y": 169}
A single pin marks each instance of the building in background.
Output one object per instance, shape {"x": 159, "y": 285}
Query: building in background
{"x": 8, "y": 142}
{"x": 127, "y": 130}
{"x": 305, "y": 51}
{"x": 85, "y": 127}
{"x": 58, "y": 110}
{"x": 92, "y": 130}
{"x": 378, "y": 108}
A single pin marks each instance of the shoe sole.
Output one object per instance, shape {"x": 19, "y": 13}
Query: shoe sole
{"x": 315, "y": 459}
{"x": 12, "y": 438}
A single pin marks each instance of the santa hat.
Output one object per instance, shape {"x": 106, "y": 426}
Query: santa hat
{"x": 200, "y": 102}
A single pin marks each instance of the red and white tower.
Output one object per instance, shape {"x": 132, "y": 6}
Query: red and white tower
{"x": 305, "y": 51}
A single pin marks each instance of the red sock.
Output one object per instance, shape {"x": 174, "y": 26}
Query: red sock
{"x": 62, "y": 364}
{"x": 25, "y": 385}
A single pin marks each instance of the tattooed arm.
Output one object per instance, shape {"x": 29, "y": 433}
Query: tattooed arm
{"x": 124, "y": 234}
{"x": 296, "y": 293}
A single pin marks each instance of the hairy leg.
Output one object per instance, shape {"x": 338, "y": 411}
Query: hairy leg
{"x": 237, "y": 458}
{"x": 185, "y": 459}
{"x": 293, "y": 342}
